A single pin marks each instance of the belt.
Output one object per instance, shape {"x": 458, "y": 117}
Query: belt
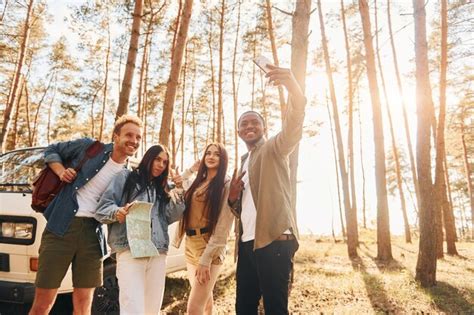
{"x": 285, "y": 237}
{"x": 192, "y": 232}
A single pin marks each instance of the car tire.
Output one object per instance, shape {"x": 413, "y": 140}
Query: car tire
{"x": 106, "y": 297}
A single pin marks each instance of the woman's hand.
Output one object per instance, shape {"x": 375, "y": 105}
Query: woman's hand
{"x": 176, "y": 177}
{"x": 203, "y": 274}
{"x": 195, "y": 166}
{"x": 122, "y": 213}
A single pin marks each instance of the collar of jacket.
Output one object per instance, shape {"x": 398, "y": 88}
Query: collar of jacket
{"x": 257, "y": 145}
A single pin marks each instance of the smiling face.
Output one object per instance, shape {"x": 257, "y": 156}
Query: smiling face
{"x": 127, "y": 141}
{"x": 159, "y": 164}
{"x": 251, "y": 128}
{"x": 212, "y": 157}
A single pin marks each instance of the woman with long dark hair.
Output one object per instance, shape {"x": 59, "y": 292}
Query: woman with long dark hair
{"x": 206, "y": 222}
{"x": 142, "y": 280}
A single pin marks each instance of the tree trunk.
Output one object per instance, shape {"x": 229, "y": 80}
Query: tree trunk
{"x": 350, "y": 135}
{"x": 384, "y": 248}
{"x": 426, "y": 264}
{"x": 448, "y": 187}
{"x": 235, "y": 92}
{"x": 364, "y": 218}
{"x": 173, "y": 80}
{"x": 276, "y": 62}
{"x": 343, "y": 229}
{"x": 124, "y": 98}
{"x": 405, "y": 116}
{"x": 440, "y": 176}
{"x": 40, "y": 103}
{"x": 392, "y": 134}
{"x": 219, "y": 78}
{"x": 467, "y": 169}
{"x": 351, "y": 216}
{"x": 183, "y": 110}
{"x": 299, "y": 55}
{"x": 27, "y": 113}
{"x": 16, "y": 77}
{"x": 106, "y": 85}
{"x": 211, "y": 60}
{"x": 48, "y": 124}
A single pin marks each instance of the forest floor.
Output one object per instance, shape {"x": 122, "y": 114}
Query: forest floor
{"x": 327, "y": 281}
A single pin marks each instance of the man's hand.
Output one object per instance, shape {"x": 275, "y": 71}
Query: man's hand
{"x": 122, "y": 212}
{"x": 236, "y": 186}
{"x": 176, "y": 177}
{"x": 68, "y": 175}
{"x": 203, "y": 274}
{"x": 283, "y": 76}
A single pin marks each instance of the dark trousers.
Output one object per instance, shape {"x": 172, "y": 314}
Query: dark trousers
{"x": 264, "y": 272}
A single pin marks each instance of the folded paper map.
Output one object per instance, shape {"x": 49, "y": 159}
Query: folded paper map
{"x": 139, "y": 230}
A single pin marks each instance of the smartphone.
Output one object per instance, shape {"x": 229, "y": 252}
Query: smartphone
{"x": 262, "y": 62}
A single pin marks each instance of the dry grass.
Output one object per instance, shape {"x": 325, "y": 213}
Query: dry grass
{"x": 327, "y": 281}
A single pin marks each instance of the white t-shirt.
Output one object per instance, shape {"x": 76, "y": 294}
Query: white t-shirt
{"x": 249, "y": 212}
{"x": 88, "y": 195}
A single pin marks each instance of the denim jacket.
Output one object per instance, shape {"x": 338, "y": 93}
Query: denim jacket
{"x": 161, "y": 215}
{"x": 62, "y": 210}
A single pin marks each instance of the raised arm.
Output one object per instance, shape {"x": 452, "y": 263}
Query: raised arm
{"x": 292, "y": 128}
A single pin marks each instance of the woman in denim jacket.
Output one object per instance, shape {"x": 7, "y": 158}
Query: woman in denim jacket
{"x": 142, "y": 280}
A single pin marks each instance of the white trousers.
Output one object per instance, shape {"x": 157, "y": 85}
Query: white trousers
{"x": 141, "y": 282}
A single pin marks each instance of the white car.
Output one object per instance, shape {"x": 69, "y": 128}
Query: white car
{"x": 20, "y": 236}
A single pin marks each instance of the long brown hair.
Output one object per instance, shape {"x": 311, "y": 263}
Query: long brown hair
{"x": 214, "y": 192}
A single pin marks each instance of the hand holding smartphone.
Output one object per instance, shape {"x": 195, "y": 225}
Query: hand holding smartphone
{"x": 262, "y": 62}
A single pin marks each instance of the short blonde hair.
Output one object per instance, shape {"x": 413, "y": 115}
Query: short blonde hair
{"x": 125, "y": 119}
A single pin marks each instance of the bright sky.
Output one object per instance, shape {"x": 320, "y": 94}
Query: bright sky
{"x": 317, "y": 192}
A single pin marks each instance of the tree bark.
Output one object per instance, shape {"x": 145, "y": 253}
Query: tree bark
{"x": 299, "y": 55}
{"x": 426, "y": 263}
{"x": 392, "y": 134}
{"x": 234, "y": 87}
{"x": 351, "y": 216}
{"x": 12, "y": 97}
{"x": 172, "y": 83}
{"x": 350, "y": 134}
{"x": 276, "y": 62}
{"x": 384, "y": 248}
{"x": 219, "y": 76}
{"x": 362, "y": 167}
{"x": 343, "y": 229}
{"x": 468, "y": 171}
{"x": 124, "y": 98}
{"x": 405, "y": 116}
{"x": 211, "y": 60}
{"x": 106, "y": 84}
{"x": 440, "y": 177}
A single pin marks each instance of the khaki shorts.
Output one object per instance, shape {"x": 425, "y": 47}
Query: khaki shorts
{"x": 78, "y": 246}
{"x": 195, "y": 246}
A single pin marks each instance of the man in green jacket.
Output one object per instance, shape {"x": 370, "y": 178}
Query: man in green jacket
{"x": 261, "y": 199}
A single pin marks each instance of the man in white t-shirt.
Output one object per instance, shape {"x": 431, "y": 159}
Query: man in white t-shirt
{"x": 72, "y": 235}
{"x": 260, "y": 197}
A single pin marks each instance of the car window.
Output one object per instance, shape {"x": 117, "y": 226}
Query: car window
{"x": 18, "y": 169}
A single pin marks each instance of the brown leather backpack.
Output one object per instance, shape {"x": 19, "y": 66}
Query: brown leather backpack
{"x": 47, "y": 184}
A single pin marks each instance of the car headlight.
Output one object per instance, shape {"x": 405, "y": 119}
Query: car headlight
{"x": 17, "y": 230}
